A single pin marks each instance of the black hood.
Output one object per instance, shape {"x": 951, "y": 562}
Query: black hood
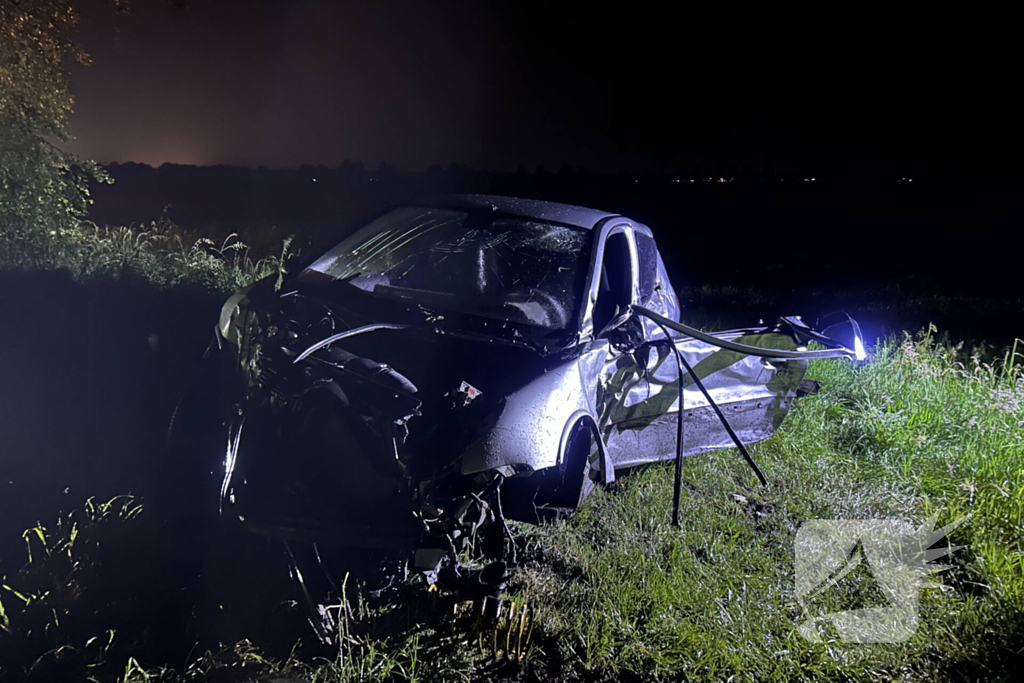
{"x": 435, "y": 349}
{"x": 323, "y": 416}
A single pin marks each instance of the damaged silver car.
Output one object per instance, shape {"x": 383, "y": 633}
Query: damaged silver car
{"x": 458, "y": 362}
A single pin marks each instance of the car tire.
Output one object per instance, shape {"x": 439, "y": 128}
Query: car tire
{"x": 574, "y": 479}
{"x": 582, "y": 464}
{"x": 185, "y": 483}
{"x": 556, "y": 492}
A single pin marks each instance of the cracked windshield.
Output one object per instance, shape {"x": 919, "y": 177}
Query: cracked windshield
{"x": 523, "y": 271}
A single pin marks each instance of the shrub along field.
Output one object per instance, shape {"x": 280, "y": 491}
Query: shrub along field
{"x": 924, "y": 428}
{"x": 160, "y": 254}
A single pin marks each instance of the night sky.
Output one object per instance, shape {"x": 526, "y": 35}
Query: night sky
{"x": 495, "y": 85}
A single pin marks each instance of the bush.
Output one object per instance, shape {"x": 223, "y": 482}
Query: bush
{"x": 161, "y": 254}
{"x": 43, "y": 188}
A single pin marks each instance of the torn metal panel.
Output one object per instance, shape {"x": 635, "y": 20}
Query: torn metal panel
{"x": 457, "y": 361}
{"x": 752, "y": 420}
{"x": 757, "y": 392}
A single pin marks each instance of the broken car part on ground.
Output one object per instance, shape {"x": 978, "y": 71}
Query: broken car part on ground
{"x": 457, "y": 362}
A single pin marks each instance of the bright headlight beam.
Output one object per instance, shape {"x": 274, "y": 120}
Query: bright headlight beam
{"x": 858, "y": 348}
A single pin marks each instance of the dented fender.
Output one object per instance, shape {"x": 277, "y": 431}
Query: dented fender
{"x": 532, "y": 430}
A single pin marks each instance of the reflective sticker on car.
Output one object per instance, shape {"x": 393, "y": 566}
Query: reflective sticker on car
{"x": 470, "y": 391}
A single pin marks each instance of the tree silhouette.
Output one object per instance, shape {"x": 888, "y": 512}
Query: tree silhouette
{"x": 43, "y": 188}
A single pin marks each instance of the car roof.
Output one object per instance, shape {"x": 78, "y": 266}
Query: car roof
{"x": 528, "y": 208}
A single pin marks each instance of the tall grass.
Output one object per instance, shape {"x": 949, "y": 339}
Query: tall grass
{"x": 161, "y": 253}
{"x": 39, "y": 626}
{"x": 921, "y": 429}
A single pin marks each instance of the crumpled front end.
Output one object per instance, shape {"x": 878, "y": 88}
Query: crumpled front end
{"x": 313, "y": 446}
{"x": 353, "y": 434}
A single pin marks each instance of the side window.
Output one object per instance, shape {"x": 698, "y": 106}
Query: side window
{"x": 647, "y": 258}
{"x": 616, "y": 285}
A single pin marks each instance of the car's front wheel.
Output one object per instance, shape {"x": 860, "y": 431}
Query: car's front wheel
{"x": 558, "y": 491}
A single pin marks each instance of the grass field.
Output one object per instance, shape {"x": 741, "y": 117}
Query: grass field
{"x": 923, "y": 428}
{"x": 913, "y": 433}
{"x": 617, "y": 593}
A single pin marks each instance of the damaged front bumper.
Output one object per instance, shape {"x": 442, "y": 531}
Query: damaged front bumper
{"x": 318, "y": 445}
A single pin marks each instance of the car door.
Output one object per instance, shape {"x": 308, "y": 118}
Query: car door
{"x": 753, "y": 394}
{"x": 644, "y": 421}
{"x": 623, "y": 389}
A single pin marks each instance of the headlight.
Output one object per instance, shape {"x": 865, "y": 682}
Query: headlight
{"x": 858, "y": 348}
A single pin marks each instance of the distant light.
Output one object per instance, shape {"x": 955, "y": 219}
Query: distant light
{"x": 692, "y": 180}
{"x": 858, "y": 348}
{"x": 910, "y": 180}
{"x": 813, "y": 179}
{"x": 314, "y": 180}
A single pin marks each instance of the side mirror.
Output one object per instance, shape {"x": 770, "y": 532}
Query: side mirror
{"x": 624, "y": 330}
{"x": 618, "y": 320}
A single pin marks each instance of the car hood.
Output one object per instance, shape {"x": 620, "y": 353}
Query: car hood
{"x": 433, "y": 355}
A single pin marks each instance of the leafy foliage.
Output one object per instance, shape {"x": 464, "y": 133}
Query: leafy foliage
{"x": 160, "y": 253}
{"x": 43, "y": 189}
{"x": 164, "y": 255}
{"x": 42, "y": 604}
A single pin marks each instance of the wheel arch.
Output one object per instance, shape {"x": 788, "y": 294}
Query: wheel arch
{"x": 583, "y": 416}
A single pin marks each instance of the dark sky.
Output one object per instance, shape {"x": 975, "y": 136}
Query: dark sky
{"x": 498, "y": 84}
